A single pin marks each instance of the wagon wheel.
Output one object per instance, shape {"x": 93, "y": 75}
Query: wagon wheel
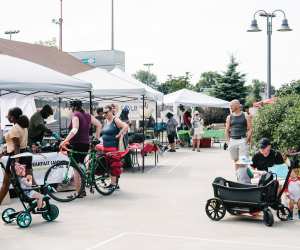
{"x": 268, "y": 218}
{"x": 215, "y": 209}
{"x": 283, "y": 213}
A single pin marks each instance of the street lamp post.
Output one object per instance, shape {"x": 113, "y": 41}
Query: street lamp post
{"x": 254, "y": 28}
{"x": 60, "y": 23}
{"x": 11, "y": 32}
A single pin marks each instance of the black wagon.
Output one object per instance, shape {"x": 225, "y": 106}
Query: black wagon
{"x": 236, "y": 198}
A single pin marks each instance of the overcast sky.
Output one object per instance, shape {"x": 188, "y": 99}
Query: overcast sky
{"x": 176, "y": 35}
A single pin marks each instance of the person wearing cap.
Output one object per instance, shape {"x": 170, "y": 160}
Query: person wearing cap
{"x": 238, "y": 132}
{"x": 197, "y": 130}
{"x": 37, "y": 128}
{"x": 78, "y": 137}
{"x": 266, "y": 157}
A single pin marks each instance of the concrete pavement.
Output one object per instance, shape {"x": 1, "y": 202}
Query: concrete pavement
{"x": 160, "y": 209}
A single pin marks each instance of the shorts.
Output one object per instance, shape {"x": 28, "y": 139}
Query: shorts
{"x": 238, "y": 148}
{"x": 84, "y": 148}
{"x": 198, "y": 132}
{"x": 30, "y": 193}
{"x": 171, "y": 137}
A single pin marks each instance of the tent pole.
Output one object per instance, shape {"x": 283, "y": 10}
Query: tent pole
{"x": 91, "y": 104}
{"x": 59, "y": 115}
{"x": 143, "y": 155}
{"x": 156, "y": 115}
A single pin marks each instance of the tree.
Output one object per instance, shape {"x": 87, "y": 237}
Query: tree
{"x": 289, "y": 88}
{"x": 176, "y": 83}
{"x": 231, "y": 84}
{"x": 49, "y": 43}
{"x": 147, "y": 78}
{"x": 207, "y": 81}
{"x": 255, "y": 92}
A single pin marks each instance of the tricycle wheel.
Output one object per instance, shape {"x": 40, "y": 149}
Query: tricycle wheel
{"x": 51, "y": 214}
{"x": 215, "y": 209}
{"x": 6, "y": 215}
{"x": 268, "y": 218}
{"x": 24, "y": 219}
{"x": 283, "y": 213}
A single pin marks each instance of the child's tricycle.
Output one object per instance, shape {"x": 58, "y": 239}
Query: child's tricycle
{"x": 237, "y": 198}
{"x": 23, "y": 218}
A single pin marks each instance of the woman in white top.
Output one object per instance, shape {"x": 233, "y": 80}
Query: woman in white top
{"x": 16, "y": 142}
{"x": 197, "y": 127}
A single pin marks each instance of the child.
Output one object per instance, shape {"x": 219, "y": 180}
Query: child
{"x": 244, "y": 173}
{"x": 26, "y": 185}
{"x": 293, "y": 193}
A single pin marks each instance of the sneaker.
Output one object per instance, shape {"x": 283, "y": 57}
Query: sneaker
{"x": 83, "y": 194}
{"x": 193, "y": 149}
{"x": 117, "y": 187}
{"x": 172, "y": 150}
{"x": 42, "y": 209}
{"x": 198, "y": 150}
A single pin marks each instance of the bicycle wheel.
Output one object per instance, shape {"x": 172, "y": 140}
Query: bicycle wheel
{"x": 64, "y": 182}
{"x": 102, "y": 179}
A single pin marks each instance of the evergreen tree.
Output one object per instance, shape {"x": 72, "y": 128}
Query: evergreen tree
{"x": 232, "y": 84}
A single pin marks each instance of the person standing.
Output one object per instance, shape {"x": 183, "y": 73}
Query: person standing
{"x": 238, "y": 132}
{"x": 78, "y": 137}
{"x": 37, "y": 128}
{"x": 113, "y": 133}
{"x": 197, "y": 130}
{"x": 100, "y": 116}
{"x": 16, "y": 141}
{"x": 171, "y": 131}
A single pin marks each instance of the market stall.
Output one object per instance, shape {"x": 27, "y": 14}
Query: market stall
{"x": 195, "y": 99}
{"x": 108, "y": 87}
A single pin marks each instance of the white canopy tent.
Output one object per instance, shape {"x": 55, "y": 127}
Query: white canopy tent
{"x": 21, "y": 81}
{"x": 27, "y": 78}
{"x": 194, "y": 99}
{"x": 150, "y": 93}
{"x": 107, "y": 86}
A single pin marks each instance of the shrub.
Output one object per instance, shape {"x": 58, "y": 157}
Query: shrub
{"x": 280, "y": 122}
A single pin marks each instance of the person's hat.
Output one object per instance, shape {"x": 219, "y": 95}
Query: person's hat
{"x": 264, "y": 142}
{"x": 244, "y": 160}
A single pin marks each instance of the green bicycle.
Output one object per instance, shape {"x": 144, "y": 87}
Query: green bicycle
{"x": 66, "y": 181}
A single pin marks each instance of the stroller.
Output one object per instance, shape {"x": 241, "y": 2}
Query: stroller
{"x": 237, "y": 198}
{"x": 23, "y": 218}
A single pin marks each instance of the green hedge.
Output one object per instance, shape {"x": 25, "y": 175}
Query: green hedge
{"x": 280, "y": 122}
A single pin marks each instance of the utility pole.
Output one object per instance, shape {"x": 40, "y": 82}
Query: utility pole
{"x": 112, "y": 26}
{"x": 60, "y": 23}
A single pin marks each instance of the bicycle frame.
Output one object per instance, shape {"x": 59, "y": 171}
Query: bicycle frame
{"x": 87, "y": 165}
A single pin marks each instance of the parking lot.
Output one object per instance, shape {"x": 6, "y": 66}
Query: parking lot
{"x": 163, "y": 208}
